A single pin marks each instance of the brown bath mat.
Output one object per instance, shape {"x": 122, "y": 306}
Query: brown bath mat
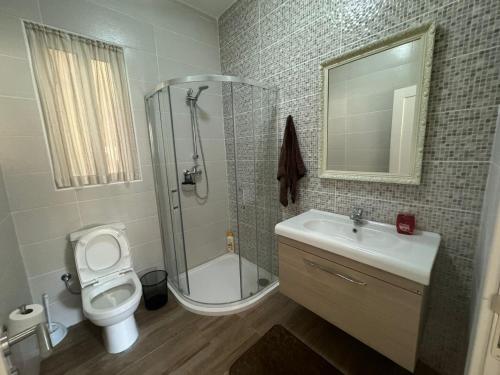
{"x": 279, "y": 352}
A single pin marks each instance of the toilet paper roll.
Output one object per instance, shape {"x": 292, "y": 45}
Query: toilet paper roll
{"x": 18, "y": 321}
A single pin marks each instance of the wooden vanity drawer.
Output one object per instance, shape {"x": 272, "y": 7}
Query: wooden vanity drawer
{"x": 384, "y": 316}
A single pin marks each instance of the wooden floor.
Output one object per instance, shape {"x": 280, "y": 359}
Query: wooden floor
{"x": 175, "y": 341}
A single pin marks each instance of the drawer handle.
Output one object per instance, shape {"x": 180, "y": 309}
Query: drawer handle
{"x": 344, "y": 277}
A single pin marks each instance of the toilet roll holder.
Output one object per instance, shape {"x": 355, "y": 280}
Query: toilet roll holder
{"x": 40, "y": 330}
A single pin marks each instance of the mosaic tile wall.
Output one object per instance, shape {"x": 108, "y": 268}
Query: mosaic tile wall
{"x": 282, "y": 43}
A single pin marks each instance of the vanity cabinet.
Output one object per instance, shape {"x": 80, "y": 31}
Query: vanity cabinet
{"x": 381, "y": 309}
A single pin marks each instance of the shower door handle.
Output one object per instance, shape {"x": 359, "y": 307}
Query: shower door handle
{"x": 174, "y": 198}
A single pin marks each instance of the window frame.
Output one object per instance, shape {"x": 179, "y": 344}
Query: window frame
{"x": 23, "y": 22}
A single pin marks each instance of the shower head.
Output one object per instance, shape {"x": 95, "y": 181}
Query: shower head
{"x": 200, "y": 89}
{"x": 194, "y": 98}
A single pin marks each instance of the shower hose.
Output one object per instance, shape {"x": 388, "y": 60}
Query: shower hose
{"x": 194, "y": 123}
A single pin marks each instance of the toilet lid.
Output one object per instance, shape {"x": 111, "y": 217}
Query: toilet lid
{"x": 101, "y": 253}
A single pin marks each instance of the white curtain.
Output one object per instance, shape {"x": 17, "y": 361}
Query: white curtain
{"x": 84, "y": 96}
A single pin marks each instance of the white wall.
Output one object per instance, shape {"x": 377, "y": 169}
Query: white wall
{"x": 162, "y": 39}
{"x": 486, "y": 275}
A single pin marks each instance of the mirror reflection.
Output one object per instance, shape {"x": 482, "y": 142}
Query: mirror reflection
{"x": 371, "y": 111}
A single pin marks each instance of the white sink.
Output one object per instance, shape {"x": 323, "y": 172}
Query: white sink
{"x": 375, "y": 244}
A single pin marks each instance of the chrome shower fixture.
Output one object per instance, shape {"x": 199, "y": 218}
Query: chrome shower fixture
{"x": 194, "y": 98}
{"x": 190, "y": 175}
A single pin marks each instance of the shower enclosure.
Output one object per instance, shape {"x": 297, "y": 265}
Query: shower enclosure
{"x": 214, "y": 149}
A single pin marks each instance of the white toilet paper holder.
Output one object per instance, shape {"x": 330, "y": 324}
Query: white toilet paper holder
{"x": 40, "y": 330}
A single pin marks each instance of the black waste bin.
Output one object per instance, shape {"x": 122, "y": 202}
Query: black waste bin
{"x": 154, "y": 289}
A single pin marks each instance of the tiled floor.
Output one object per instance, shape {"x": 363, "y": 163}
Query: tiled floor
{"x": 175, "y": 341}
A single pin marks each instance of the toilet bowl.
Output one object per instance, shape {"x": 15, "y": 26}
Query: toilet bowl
{"x": 111, "y": 290}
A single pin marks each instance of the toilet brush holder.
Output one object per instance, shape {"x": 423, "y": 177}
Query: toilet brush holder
{"x": 57, "y": 331}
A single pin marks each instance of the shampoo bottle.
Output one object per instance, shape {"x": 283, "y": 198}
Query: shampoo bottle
{"x": 230, "y": 241}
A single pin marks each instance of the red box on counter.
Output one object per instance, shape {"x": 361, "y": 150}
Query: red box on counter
{"x": 405, "y": 223}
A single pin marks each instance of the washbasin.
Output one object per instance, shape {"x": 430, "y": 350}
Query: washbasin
{"x": 372, "y": 243}
{"x": 362, "y": 235}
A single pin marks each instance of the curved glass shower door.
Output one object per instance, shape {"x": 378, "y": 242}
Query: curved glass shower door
{"x": 167, "y": 188}
{"x": 254, "y": 135}
{"x": 214, "y": 146}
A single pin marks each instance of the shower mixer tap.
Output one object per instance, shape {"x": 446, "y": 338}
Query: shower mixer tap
{"x": 190, "y": 175}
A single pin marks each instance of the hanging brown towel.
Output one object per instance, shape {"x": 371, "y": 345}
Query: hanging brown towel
{"x": 291, "y": 166}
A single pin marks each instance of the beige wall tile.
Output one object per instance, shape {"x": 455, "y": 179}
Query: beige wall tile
{"x": 20, "y": 117}
{"x": 12, "y": 40}
{"x": 126, "y": 207}
{"x": 199, "y": 236}
{"x": 144, "y": 151}
{"x": 170, "y": 68}
{"x": 15, "y": 76}
{"x": 148, "y": 255}
{"x": 218, "y": 192}
{"x": 198, "y": 216}
{"x": 356, "y": 142}
{"x": 51, "y": 284}
{"x": 4, "y": 202}
{"x": 46, "y": 256}
{"x": 107, "y": 191}
{"x": 137, "y": 91}
{"x": 370, "y": 103}
{"x": 214, "y": 149}
{"x": 95, "y": 21}
{"x": 28, "y": 191}
{"x": 210, "y": 250}
{"x": 21, "y": 8}
{"x": 20, "y": 155}
{"x": 210, "y": 126}
{"x": 185, "y": 49}
{"x": 141, "y": 65}
{"x": 46, "y": 223}
{"x": 143, "y": 230}
{"x": 171, "y": 15}
{"x": 140, "y": 124}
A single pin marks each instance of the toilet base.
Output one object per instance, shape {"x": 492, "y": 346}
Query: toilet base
{"x": 120, "y": 336}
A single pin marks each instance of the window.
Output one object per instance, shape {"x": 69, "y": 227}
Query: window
{"x": 83, "y": 93}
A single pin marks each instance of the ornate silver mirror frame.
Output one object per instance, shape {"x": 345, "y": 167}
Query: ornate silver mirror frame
{"x": 425, "y": 33}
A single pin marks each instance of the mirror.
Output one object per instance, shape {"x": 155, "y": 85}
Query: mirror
{"x": 375, "y": 107}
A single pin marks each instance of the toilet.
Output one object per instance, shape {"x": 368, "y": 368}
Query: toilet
{"x": 111, "y": 290}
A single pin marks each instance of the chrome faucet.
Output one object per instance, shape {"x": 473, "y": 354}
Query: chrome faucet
{"x": 190, "y": 175}
{"x": 357, "y": 215}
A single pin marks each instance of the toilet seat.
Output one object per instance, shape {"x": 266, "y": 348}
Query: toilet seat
{"x": 108, "y": 302}
{"x": 101, "y": 255}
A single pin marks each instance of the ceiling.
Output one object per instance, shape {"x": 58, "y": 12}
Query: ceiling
{"x": 213, "y": 8}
